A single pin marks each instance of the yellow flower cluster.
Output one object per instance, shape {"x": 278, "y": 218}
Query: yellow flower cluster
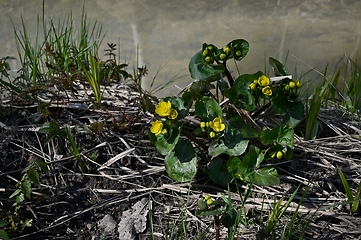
{"x": 264, "y": 82}
{"x": 163, "y": 109}
{"x": 216, "y": 125}
{"x": 293, "y": 86}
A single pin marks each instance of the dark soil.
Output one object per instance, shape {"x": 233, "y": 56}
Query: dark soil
{"x": 70, "y": 204}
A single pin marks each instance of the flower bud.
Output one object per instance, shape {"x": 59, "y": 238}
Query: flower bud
{"x": 209, "y": 201}
{"x": 252, "y": 86}
{"x": 208, "y": 59}
{"x": 298, "y": 83}
{"x": 205, "y": 52}
{"x": 212, "y": 134}
{"x": 292, "y": 84}
{"x": 206, "y": 197}
{"x": 222, "y": 56}
{"x": 279, "y": 155}
{"x": 238, "y": 53}
{"x": 226, "y": 49}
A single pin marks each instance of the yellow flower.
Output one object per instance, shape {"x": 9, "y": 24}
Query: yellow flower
{"x": 217, "y": 124}
{"x": 164, "y": 131}
{"x": 173, "y": 114}
{"x": 156, "y": 127}
{"x": 267, "y": 91}
{"x": 263, "y": 81}
{"x": 202, "y": 125}
{"x": 252, "y": 86}
{"x": 163, "y": 109}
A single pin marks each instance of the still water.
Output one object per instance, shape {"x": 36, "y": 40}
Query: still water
{"x": 169, "y": 33}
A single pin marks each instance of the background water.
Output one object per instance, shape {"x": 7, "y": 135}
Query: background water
{"x": 318, "y": 32}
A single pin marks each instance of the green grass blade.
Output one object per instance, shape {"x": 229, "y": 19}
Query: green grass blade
{"x": 346, "y": 186}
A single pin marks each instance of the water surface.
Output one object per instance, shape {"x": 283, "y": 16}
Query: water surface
{"x": 318, "y": 32}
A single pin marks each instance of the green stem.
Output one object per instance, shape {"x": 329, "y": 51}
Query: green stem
{"x": 228, "y": 75}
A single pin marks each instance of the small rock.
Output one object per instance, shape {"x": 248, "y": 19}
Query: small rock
{"x": 107, "y": 223}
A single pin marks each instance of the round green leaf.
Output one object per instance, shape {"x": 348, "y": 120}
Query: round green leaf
{"x": 218, "y": 148}
{"x": 184, "y": 150}
{"x": 180, "y": 171}
{"x": 239, "y": 46}
{"x": 201, "y": 70}
{"x": 294, "y": 110}
{"x": 267, "y": 176}
{"x": 218, "y": 172}
{"x": 240, "y": 95}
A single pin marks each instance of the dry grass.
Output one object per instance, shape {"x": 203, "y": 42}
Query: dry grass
{"x": 69, "y": 204}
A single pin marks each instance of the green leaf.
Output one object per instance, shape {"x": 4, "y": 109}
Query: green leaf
{"x": 207, "y": 109}
{"x": 15, "y": 193}
{"x": 184, "y": 150}
{"x": 34, "y": 176}
{"x": 229, "y": 218}
{"x": 277, "y": 67}
{"x": 346, "y": 186}
{"x": 294, "y": 110}
{"x": 41, "y": 164}
{"x": 165, "y": 145}
{"x": 218, "y": 172}
{"x": 249, "y": 171}
{"x": 201, "y": 70}
{"x": 233, "y": 164}
{"x": 201, "y": 88}
{"x": 281, "y": 134}
{"x": 218, "y": 148}
{"x": 180, "y": 171}
{"x": 355, "y": 204}
{"x": 74, "y": 149}
{"x": 50, "y": 128}
{"x": 3, "y": 223}
{"x": 236, "y": 124}
{"x": 4, "y": 235}
{"x": 26, "y": 188}
{"x": 177, "y": 104}
{"x": 240, "y": 94}
{"x": 239, "y": 45}
{"x": 266, "y": 176}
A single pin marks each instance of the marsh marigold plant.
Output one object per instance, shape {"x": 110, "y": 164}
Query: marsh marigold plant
{"x": 223, "y": 144}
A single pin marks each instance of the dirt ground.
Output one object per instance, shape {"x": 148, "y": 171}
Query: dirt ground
{"x": 127, "y": 184}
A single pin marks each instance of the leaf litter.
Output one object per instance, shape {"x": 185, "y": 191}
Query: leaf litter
{"x": 128, "y": 174}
